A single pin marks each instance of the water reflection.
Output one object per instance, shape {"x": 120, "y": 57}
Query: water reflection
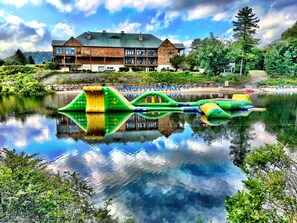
{"x": 161, "y": 167}
{"x": 116, "y": 127}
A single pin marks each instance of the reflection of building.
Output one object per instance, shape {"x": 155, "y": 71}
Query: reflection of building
{"x": 67, "y": 128}
{"x": 136, "y": 128}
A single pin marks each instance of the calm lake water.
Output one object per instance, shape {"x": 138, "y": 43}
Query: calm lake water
{"x": 158, "y": 167}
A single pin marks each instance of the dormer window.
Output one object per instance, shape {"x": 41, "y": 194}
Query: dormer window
{"x": 140, "y": 37}
{"x": 89, "y": 36}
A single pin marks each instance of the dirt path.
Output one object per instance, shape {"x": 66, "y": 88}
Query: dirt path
{"x": 256, "y": 77}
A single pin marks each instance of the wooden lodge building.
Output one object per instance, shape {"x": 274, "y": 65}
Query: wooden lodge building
{"x": 98, "y": 51}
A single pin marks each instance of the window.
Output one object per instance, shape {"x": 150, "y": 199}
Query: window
{"x": 129, "y": 60}
{"x": 140, "y": 61}
{"x": 59, "y": 50}
{"x": 152, "y": 52}
{"x": 129, "y": 52}
{"x": 170, "y": 51}
{"x": 152, "y": 61}
{"x": 69, "y": 50}
{"x": 69, "y": 59}
{"x": 140, "y": 52}
{"x": 170, "y": 60}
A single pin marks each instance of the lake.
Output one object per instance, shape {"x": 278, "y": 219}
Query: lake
{"x": 159, "y": 167}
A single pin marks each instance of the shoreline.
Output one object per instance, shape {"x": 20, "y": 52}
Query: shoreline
{"x": 206, "y": 90}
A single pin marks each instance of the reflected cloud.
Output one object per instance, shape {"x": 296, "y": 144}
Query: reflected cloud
{"x": 17, "y": 134}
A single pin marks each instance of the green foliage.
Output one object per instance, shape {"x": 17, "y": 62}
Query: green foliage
{"x": 31, "y": 60}
{"x": 245, "y": 28}
{"x": 18, "y": 79}
{"x": 270, "y": 194}
{"x": 135, "y": 69}
{"x": 2, "y": 62}
{"x": 177, "y": 60}
{"x": 192, "y": 61}
{"x": 14, "y": 69}
{"x": 20, "y": 57}
{"x": 124, "y": 69}
{"x": 290, "y": 33}
{"x": 51, "y": 65}
{"x": 281, "y": 58}
{"x": 31, "y": 193}
{"x": 212, "y": 55}
{"x": 32, "y": 88}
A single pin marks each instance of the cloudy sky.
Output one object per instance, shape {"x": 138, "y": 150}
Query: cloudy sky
{"x": 31, "y": 24}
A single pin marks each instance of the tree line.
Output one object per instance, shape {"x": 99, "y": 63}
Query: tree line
{"x": 214, "y": 54}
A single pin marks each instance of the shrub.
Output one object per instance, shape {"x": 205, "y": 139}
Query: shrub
{"x": 31, "y": 193}
{"x": 14, "y": 69}
{"x": 33, "y": 88}
{"x": 51, "y": 65}
{"x": 136, "y": 69}
{"x": 124, "y": 69}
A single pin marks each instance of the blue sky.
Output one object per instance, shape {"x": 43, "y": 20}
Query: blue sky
{"x": 32, "y": 24}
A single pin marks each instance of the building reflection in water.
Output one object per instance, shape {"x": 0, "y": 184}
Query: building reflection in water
{"x": 109, "y": 128}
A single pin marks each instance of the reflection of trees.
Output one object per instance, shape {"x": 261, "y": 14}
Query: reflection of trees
{"x": 240, "y": 146}
{"x": 281, "y": 117}
{"x": 20, "y": 107}
{"x": 238, "y": 130}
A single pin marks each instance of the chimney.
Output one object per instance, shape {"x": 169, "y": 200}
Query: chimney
{"x": 122, "y": 32}
{"x": 104, "y": 31}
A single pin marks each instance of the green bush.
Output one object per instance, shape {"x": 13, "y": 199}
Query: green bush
{"x": 51, "y": 65}
{"x": 31, "y": 193}
{"x": 33, "y": 88}
{"x": 124, "y": 69}
{"x": 135, "y": 69}
{"x": 14, "y": 69}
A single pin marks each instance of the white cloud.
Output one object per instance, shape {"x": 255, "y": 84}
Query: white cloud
{"x": 15, "y": 20}
{"x": 128, "y": 27}
{"x": 33, "y": 35}
{"x": 87, "y": 6}
{"x": 63, "y": 31}
{"x": 161, "y": 20}
{"x": 20, "y": 3}
{"x": 274, "y": 22}
{"x": 61, "y": 6}
{"x": 202, "y": 11}
{"x": 115, "y": 5}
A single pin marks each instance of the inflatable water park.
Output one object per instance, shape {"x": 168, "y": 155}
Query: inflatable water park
{"x": 99, "y": 99}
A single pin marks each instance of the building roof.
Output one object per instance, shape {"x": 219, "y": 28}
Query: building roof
{"x": 123, "y": 40}
{"x": 179, "y": 46}
{"x": 106, "y": 39}
{"x": 58, "y": 42}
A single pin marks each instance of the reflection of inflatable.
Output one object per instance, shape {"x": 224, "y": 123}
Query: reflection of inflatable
{"x": 115, "y": 126}
{"x": 108, "y": 99}
{"x": 98, "y": 125}
{"x": 220, "y": 121}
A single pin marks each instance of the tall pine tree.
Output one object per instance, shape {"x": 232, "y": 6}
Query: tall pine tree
{"x": 245, "y": 29}
{"x": 20, "y": 57}
{"x": 31, "y": 60}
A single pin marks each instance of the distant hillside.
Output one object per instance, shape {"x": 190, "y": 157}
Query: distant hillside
{"x": 38, "y": 56}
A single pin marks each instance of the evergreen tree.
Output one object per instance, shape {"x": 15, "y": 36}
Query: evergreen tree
{"x": 245, "y": 28}
{"x": 31, "y": 60}
{"x": 20, "y": 57}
